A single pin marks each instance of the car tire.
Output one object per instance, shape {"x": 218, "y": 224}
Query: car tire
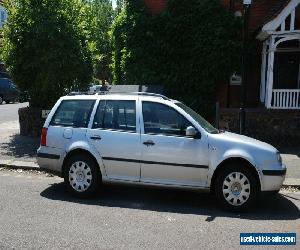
{"x": 236, "y": 188}
{"x": 82, "y": 176}
{"x": 7, "y": 102}
{"x": 1, "y": 100}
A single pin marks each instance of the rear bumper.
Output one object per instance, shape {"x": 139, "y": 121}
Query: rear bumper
{"x": 49, "y": 158}
{"x": 272, "y": 180}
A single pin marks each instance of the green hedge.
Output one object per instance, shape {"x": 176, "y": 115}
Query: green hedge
{"x": 189, "y": 48}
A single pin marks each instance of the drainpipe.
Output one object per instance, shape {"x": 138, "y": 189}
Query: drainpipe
{"x": 247, "y": 5}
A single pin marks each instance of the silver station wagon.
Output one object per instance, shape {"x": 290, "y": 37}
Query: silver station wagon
{"x": 149, "y": 139}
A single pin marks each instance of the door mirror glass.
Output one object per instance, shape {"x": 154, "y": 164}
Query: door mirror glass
{"x": 191, "y": 131}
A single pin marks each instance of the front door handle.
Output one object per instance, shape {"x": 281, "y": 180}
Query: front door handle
{"x": 96, "y": 137}
{"x": 149, "y": 143}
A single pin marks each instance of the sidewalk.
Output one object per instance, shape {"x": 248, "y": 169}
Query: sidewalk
{"x": 18, "y": 151}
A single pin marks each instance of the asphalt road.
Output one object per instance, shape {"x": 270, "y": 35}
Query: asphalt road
{"x": 9, "y": 112}
{"x": 35, "y": 212}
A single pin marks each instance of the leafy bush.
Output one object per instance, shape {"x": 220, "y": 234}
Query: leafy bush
{"x": 189, "y": 48}
{"x": 46, "y": 49}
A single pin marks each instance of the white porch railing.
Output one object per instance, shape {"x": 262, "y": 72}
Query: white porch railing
{"x": 285, "y": 99}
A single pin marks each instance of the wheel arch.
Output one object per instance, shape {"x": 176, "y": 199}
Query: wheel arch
{"x": 245, "y": 163}
{"x": 77, "y": 151}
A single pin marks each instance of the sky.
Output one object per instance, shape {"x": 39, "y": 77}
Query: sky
{"x": 114, "y": 3}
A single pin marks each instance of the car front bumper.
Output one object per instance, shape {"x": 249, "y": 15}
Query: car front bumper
{"x": 272, "y": 180}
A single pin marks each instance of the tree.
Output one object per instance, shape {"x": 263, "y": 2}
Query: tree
{"x": 100, "y": 18}
{"x": 189, "y": 48}
{"x": 45, "y": 48}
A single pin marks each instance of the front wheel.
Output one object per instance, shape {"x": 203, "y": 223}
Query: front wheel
{"x": 236, "y": 188}
{"x": 82, "y": 176}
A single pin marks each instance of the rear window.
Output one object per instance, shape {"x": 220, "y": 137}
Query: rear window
{"x": 73, "y": 113}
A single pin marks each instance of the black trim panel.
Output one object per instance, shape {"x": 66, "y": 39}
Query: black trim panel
{"x": 154, "y": 162}
{"x": 274, "y": 172}
{"x": 48, "y": 156}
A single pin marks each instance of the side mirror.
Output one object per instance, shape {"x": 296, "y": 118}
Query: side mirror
{"x": 192, "y": 132}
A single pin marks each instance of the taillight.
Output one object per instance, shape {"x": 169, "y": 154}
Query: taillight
{"x": 44, "y": 137}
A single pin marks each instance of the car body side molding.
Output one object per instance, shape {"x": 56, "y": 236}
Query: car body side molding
{"x": 155, "y": 162}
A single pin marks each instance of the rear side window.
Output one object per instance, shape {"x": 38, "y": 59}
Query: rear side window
{"x": 116, "y": 115}
{"x": 73, "y": 113}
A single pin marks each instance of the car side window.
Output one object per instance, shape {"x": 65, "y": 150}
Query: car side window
{"x": 116, "y": 115}
{"x": 162, "y": 119}
{"x": 73, "y": 113}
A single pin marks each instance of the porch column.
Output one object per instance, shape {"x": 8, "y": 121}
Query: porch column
{"x": 269, "y": 85}
{"x": 263, "y": 72}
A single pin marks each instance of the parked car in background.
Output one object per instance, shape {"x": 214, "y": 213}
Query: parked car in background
{"x": 24, "y": 96}
{"x": 4, "y": 75}
{"x": 8, "y": 91}
{"x": 149, "y": 139}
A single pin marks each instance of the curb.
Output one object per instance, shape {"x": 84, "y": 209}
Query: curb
{"x": 25, "y": 165}
{"x": 288, "y": 183}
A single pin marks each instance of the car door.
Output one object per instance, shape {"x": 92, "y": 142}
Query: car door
{"x": 115, "y": 134}
{"x": 168, "y": 155}
{"x": 10, "y": 95}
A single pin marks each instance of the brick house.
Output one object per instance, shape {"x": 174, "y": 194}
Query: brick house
{"x": 274, "y": 77}
{"x": 273, "y": 87}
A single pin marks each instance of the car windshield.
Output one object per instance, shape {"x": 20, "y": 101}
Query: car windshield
{"x": 198, "y": 118}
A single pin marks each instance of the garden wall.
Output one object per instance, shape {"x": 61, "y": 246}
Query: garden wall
{"x": 31, "y": 121}
{"x": 277, "y": 127}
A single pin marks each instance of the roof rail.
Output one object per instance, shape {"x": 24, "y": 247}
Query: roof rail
{"x": 132, "y": 93}
{"x": 119, "y": 93}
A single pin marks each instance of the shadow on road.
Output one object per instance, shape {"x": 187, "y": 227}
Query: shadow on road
{"x": 20, "y": 146}
{"x": 177, "y": 201}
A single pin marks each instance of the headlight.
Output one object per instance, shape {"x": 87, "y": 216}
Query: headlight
{"x": 279, "y": 159}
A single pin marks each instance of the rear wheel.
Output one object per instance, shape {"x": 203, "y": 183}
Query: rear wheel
{"x": 7, "y": 101}
{"x": 236, "y": 188}
{"x": 82, "y": 176}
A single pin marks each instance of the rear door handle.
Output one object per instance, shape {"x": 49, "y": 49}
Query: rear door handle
{"x": 96, "y": 137}
{"x": 149, "y": 143}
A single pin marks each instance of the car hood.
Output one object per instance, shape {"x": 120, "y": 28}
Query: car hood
{"x": 229, "y": 137}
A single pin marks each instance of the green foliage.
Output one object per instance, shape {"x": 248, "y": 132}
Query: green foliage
{"x": 46, "y": 49}
{"x": 189, "y": 48}
{"x": 100, "y": 17}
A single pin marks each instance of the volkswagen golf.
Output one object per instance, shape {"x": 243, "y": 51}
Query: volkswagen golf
{"x": 149, "y": 139}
